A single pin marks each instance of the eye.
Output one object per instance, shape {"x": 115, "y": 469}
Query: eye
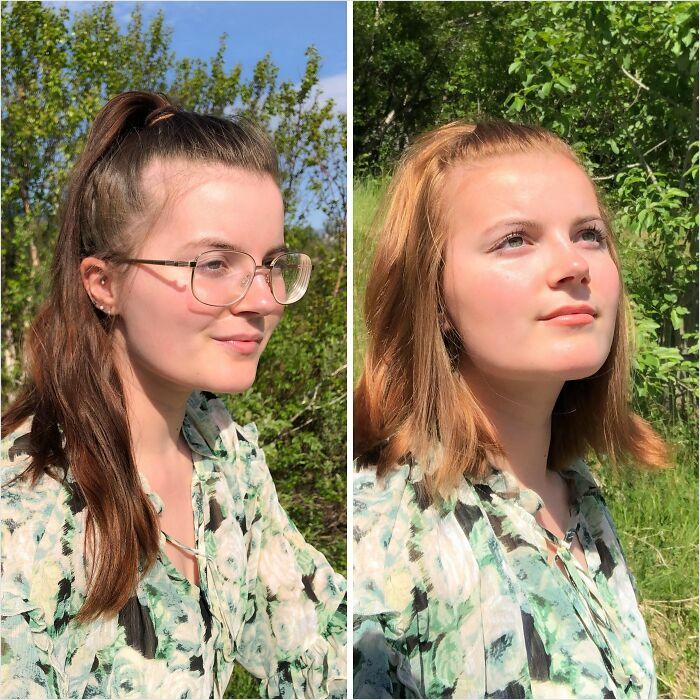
{"x": 593, "y": 235}
{"x": 511, "y": 242}
{"x": 214, "y": 264}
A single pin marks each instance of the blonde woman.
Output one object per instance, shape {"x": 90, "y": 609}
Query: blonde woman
{"x": 486, "y": 561}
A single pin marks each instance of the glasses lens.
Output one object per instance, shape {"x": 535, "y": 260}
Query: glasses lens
{"x": 289, "y": 277}
{"x": 222, "y": 277}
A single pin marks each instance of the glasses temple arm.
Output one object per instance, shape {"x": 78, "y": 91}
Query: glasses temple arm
{"x": 169, "y": 263}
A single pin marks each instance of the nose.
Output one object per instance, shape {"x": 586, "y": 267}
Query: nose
{"x": 568, "y": 265}
{"x": 258, "y": 299}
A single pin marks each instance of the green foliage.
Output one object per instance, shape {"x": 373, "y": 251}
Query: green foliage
{"x": 420, "y": 64}
{"x": 59, "y": 70}
{"x": 299, "y": 429}
{"x": 619, "y": 81}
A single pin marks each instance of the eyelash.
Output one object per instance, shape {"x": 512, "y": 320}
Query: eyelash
{"x": 601, "y": 237}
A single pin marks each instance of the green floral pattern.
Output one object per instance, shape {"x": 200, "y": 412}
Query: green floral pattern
{"x": 266, "y": 598}
{"x": 457, "y": 598}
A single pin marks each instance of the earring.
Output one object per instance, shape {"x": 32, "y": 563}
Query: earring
{"x": 96, "y": 305}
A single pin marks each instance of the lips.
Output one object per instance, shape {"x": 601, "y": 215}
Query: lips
{"x": 571, "y": 310}
{"x": 243, "y": 337}
{"x": 242, "y": 343}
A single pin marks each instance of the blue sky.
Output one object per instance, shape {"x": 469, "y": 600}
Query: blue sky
{"x": 282, "y": 29}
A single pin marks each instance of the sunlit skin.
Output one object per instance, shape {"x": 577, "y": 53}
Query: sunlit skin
{"x": 526, "y": 239}
{"x": 167, "y": 343}
{"x": 215, "y": 206}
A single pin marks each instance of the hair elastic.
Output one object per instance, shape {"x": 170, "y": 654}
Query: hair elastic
{"x": 160, "y": 115}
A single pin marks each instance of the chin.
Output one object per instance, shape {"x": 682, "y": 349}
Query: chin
{"x": 573, "y": 371}
{"x": 232, "y": 385}
{"x": 573, "y": 362}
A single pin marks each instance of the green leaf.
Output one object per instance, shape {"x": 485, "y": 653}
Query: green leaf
{"x": 563, "y": 80}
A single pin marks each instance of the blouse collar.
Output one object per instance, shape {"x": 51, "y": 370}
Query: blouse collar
{"x": 210, "y": 431}
{"x": 578, "y": 477}
{"x": 210, "y": 434}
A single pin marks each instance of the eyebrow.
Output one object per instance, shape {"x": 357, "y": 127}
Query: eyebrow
{"x": 586, "y": 219}
{"x": 525, "y": 223}
{"x": 213, "y": 243}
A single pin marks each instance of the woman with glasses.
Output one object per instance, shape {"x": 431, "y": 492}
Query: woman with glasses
{"x": 486, "y": 561}
{"x": 144, "y": 548}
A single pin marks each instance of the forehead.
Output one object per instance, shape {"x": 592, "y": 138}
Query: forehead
{"x": 191, "y": 201}
{"x": 537, "y": 186}
{"x": 179, "y": 186}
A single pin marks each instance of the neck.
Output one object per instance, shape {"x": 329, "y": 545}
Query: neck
{"x": 156, "y": 412}
{"x": 521, "y": 414}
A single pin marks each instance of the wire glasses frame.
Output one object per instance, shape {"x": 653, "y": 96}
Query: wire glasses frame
{"x": 229, "y": 274}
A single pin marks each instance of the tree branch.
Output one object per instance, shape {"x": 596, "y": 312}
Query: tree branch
{"x": 636, "y": 81}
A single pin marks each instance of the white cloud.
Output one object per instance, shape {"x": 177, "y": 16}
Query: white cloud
{"x": 335, "y": 87}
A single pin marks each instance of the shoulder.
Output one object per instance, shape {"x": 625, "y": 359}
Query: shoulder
{"x": 37, "y": 522}
{"x": 14, "y": 452}
{"x": 378, "y": 501}
{"x": 22, "y": 501}
{"x": 386, "y": 524}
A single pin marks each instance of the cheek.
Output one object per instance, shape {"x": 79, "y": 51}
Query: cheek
{"x": 486, "y": 304}
{"x": 609, "y": 287}
{"x": 159, "y": 312}
{"x": 271, "y": 322}
{"x": 606, "y": 289}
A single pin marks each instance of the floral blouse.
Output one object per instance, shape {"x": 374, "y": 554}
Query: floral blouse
{"x": 266, "y": 599}
{"x": 459, "y": 600}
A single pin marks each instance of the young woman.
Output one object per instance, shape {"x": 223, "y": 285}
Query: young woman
{"x": 144, "y": 548}
{"x": 486, "y": 562}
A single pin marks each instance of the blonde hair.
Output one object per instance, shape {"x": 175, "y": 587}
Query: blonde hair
{"x": 411, "y": 401}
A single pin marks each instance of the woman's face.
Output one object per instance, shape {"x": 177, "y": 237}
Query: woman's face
{"x": 528, "y": 281}
{"x": 170, "y": 337}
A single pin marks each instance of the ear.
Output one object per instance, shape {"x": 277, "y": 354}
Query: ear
{"x": 98, "y": 280}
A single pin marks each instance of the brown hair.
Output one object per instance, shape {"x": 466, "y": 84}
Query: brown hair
{"x": 411, "y": 399}
{"x": 72, "y": 389}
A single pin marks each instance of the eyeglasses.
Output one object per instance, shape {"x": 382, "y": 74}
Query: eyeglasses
{"x": 222, "y": 277}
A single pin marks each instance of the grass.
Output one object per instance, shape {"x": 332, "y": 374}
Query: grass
{"x": 656, "y": 513}
{"x": 367, "y": 196}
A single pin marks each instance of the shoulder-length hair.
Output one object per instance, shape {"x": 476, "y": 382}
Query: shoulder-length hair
{"x": 72, "y": 388}
{"x": 411, "y": 399}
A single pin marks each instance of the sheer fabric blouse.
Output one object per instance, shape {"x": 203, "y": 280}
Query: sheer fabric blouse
{"x": 459, "y": 600}
{"x": 266, "y": 598}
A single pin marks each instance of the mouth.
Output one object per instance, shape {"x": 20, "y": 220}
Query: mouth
{"x": 578, "y": 315}
{"x": 244, "y": 344}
